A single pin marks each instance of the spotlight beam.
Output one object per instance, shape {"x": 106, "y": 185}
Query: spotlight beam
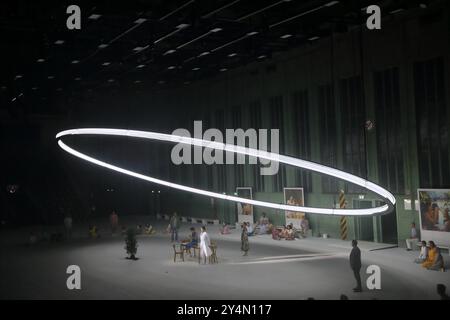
{"x": 384, "y": 194}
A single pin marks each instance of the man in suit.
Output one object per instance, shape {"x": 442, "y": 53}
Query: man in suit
{"x": 355, "y": 264}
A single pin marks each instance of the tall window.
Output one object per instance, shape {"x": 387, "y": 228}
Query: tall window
{"x": 276, "y": 117}
{"x": 390, "y": 140}
{"x": 238, "y": 168}
{"x": 300, "y": 117}
{"x": 256, "y": 123}
{"x": 219, "y": 116}
{"x": 432, "y": 124}
{"x": 352, "y": 115}
{"x": 328, "y": 132}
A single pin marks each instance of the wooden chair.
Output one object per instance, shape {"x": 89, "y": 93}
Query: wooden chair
{"x": 179, "y": 252}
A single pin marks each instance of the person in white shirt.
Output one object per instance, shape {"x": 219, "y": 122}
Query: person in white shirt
{"x": 413, "y": 239}
{"x": 205, "y": 250}
{"x": 423, "y": 253}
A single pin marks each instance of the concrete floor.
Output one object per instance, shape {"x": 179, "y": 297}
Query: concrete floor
{"x": 298, "y": 269}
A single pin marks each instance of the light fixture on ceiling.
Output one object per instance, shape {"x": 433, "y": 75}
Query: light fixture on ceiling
{"x": 231, "y": 55}
{"x": 195, "y": 69}
{"x": 286, "y": 36}
{"x": 216, "y": 30}
{"x": 314, "y": 38}
{"x": 252, "y": 33}
{"x": 51, "y": 77}
{"x": 161, "y": 82}
{"x": 262, "y": 56}
{"x": 77, "y": 79}
{"x": 223, "y": 69}
{"x": 59, "y": 42}
{"x": 75, "y": 61}
{"x": 171, "y": 67}
{"x": 40, "y": 60}
{"x": 138, "y": 49}
{"x": 397, "y": 11}
{"x": 111, "y": 80}
{"x": 105, "y": 64}
{"x": 140, "y": 20}
{"x": 94, "y": 16}
{"x": 170, "y": 51}
{"x": 203, "y": 54}
{"x": 34, "y": 88}
{"x": 103, "y": 46}
{"x": 137, "y": 81}
{"x": 140, "y": 66}
{"x": 17, "y": 77}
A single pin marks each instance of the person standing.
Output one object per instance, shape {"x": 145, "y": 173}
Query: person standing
{"x": 174, "y": 224}
{"x": 413, "y": 238}
{"x": 244, "y": 239}
{"x": 205, "y": 250}
{"x": 355, "y": 264}
{"x": 68, "y": 226}
{"x": 114, "y": 221}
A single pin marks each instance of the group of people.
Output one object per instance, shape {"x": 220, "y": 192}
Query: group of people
{"x": 430, "y": 257}
{"x": 286, "y": 233}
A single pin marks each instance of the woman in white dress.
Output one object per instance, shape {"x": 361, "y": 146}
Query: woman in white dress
{"x": 205, "y": 250}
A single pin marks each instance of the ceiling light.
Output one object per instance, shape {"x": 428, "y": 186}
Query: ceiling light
{"x": 40, "y": 60}
{"x": 252, "y": 33}
{"x": 77, "y": 79}
{"x": 231, "y": 55}
{"x": 397, "y": 11}
{"x": 203, "y": 54}
{"x": 223, "y": 69}
{"x": 216, "y": 30}
{"x": 140, "y": 20}
{"x": 34, "y": 88}
{"x": 137, "y": 81}
{"x": 138, "y": 48}
{"x": 314, "y": 38}
{"x": 262, "y": 56}
{"x": 140, "y": 66}
{"x": 187, "y": 82}
{"x": 75, "y": 61}
{"x": 423, "y": 5}
{"x": 286, "y": 36}
{"x": 195, "y": 69}
{"x": 94, "y": 16}
{"x": 171, "y": 67}
{"x": 59, "y": 42}
{"x": 332, "y": 3}
{"x": 170, "y": 51}
{"x": 111, "y": 80}
{"x": 51, "y": 77}
{"x": 182, "y": 26}
{"x": 102, "y": 46}
{"x": 19, "y": 76}
{"x": 3, "y": 88}
{"x": 106, "y": 64}
{"x": 161, "y": 82}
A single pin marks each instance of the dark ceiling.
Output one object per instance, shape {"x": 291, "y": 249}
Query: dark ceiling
{"x": 155, "y": 43}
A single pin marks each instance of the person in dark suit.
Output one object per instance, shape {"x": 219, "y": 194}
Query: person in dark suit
{"x": 355, "y": 264}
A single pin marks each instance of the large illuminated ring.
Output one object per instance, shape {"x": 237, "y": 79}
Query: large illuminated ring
{"x": 387, "y": 197}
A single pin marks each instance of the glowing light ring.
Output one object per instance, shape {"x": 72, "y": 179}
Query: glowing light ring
{"x": 384, "y": 194}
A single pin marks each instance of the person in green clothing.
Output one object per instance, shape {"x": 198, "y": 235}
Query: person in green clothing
{"x": 174, "y": 224}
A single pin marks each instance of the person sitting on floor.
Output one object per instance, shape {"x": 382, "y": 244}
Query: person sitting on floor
{"x": 434, "y": 260}
{"x": 275, "y": 234}
{"x": 423, "y": 253}
{"x": 290, "y": 234}
{"x": 93, "y": 232}
{"x": 263, "y": 224}
{"x": 149, "y": 229}
{"x": 284, "y": 232}
{"x": 225, "y": 229}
